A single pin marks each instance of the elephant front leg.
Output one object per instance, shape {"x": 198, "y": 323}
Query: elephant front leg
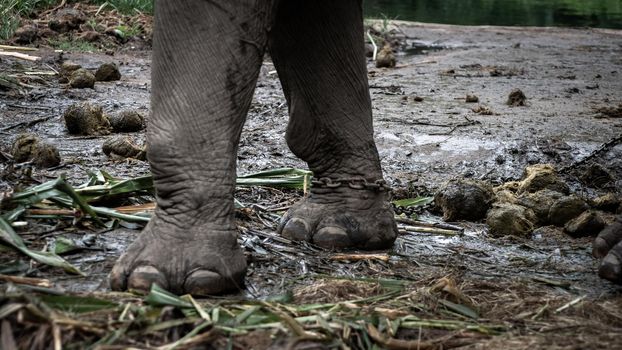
{"x": 206, "y": 59}
{"x": 317, "y": 48}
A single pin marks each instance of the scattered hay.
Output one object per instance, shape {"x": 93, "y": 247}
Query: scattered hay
{"x": 516, "y": 98}
{"x": 107, "y": 72}
{"x": 332, "y": 291}
{"x": 86, "y": 119}
{"x": 82, "y": 79}
{"x": 464, "y": 200}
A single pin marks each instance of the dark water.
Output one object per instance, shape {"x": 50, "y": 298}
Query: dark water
{"x": 564, "y": 13}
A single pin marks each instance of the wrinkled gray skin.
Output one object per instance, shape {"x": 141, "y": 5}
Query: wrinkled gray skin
{"x": 206, "y": 60}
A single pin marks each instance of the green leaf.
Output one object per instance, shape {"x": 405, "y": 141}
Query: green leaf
{"x": 413, "y": 202}
{"x": 8, "y": 236}
{"x": 460, "y": 309}
{"x": 160, "y": 297}
{"x": 77, "y": 304}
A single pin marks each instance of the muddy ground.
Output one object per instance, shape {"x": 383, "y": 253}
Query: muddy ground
{"x": 426, "y": 135}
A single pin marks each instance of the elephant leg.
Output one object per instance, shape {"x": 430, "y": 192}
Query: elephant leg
{"x": 608, "y": 247}
{"x": 318, "y": 51}
{"x": 206, "y": 60}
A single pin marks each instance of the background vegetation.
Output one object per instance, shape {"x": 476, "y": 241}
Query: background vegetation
{"x": 581, "y": 13}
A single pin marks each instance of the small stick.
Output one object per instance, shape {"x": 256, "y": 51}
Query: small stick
{"x": 571, "y": 303}
{"x": 17, "y": 48}
{"x": 358, "y": 257}
{"x": 429, "y": 224}
{"x": 373, "y": 43}
{"x": 20, "y": 55}
{"x": 438, "y": 231}
{"x": 39, "y": 282}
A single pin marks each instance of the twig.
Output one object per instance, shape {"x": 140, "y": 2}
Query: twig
{"x": 39, "y": 282}
{"x": 373, "y": 43}
{"x": 438, "y": 231}
{"x": 442, "y": 225}
{"x": 17, "y": 48}
{"x": 61, "y": 5}
{"x": 20, "y": 55}
{"x": 26, "y": 124}
{"x": 469, "y": 122}
{"x": 569, "y": 304}
{"x": 358, "y": 257}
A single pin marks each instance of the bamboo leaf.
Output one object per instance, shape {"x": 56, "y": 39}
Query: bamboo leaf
{"x": 77, "y": 304}
{"x": 460, "y": 309}
{"x": 160, "y": 297}
{"x": 413, "y": 202}
{"x": 8, "y": 236}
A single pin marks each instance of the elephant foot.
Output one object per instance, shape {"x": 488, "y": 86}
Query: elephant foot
{"x": 342, "y": 217}
{"x": 201, "y": 262}
{"x": 608, "y": 247}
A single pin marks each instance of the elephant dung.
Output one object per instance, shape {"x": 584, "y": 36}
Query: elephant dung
{"x": 385, "y": 58}
{"x": 25, "y": 34}
{"x": 81, "y": 79}
{"x": 123, "y": 147}
{"x": 127, "y": 121}
{"x": 516, "y": 98}
{"x": 28, "y": 147}
{"x": 609, "y": 202}
{"x": 471, "y": 98}
{"x": 507, "y": 219}
{"x": 566, "y": 209}
{"x": 86, "y": 119}
{"x": 67, "y": 19}
{"x": 589, "y": 223}
{"x": 107, "y": 72}
{"x": 597, "y": 175}
{"x": 540, "y": 203}
{"x": 464, "y": 200}
{"x": 542, "y": 176}
{"x": 68, "y": 67}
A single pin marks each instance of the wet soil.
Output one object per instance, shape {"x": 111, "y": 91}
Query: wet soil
{"x": 427, "y": 134}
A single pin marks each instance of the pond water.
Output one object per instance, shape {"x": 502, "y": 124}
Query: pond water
{"x": 565, "y": 13}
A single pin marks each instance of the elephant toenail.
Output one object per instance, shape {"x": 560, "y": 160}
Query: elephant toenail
{"x": 332, "y": 237}
{"x": 144, "y": 276}
{"x": 204, "y": 283}
{"x": 600, "y": 248}
{"x": 297, "y": 229}
{"x": 611, "y": 268}
{"x": 117, "y": 278}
